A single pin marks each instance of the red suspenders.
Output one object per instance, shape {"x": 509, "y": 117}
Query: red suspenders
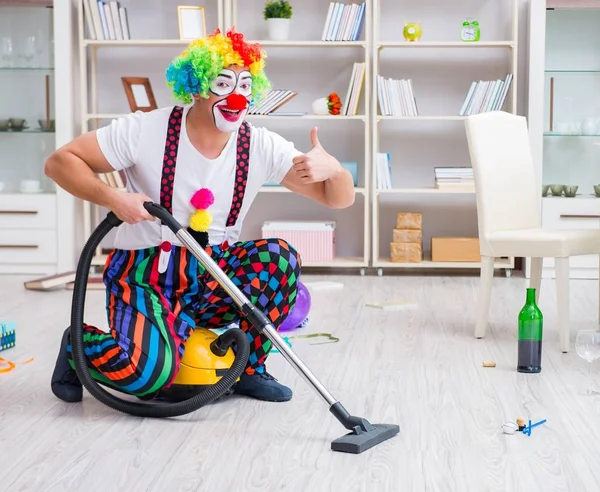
{"x": 170, "y": 161}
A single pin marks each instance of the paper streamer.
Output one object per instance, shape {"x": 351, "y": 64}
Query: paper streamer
{"x": 11, "y": 365}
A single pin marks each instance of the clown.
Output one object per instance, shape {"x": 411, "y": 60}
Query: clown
{"x": 205, "y": 164}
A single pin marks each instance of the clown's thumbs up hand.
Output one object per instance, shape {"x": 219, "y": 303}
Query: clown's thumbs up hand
{"x": 316, "y": 165}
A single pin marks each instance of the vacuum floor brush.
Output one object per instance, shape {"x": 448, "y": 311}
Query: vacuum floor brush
{"x": 362, "y": 436}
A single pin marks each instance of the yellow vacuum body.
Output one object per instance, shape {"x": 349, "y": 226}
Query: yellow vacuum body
{"x": 199, "y": 367}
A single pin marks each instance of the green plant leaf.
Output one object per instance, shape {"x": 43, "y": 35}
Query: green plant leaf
{"x": 277, "y": 9}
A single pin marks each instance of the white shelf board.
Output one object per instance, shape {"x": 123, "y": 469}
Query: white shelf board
{"x": 445, "y": 44}
{"x": 432, "y": 118}
{"x": 341, "y": 262}
{"x": 306, "y": 117}
{"x": 392, "y": 191}
{"x": 309, "y": 44}
{"x": 111, "y": 116}
{"x": 155, "y": 43}
{"x": 184, "y": 42}
{"x": 387, "y": 263}
{"x": 282, "y": 189}
{"x": 337, "y": 263}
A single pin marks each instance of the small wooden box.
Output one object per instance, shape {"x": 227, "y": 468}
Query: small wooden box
{"x": 455, "y": 249}
{"x": 409, "y": 220}
{"x": 406, "y": 252}
{"x": 407, "y": 236}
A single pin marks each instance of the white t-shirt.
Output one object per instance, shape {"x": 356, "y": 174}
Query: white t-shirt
{"x": 135, "y": 144}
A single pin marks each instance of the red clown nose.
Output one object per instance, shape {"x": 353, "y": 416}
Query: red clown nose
{"x": 236, "y": 101}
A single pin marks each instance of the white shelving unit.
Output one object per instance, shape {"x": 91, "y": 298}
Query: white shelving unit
{"x": 89, "y": 116}
{"x": 37, "y": 230}
{"x": 330, "y": 62}
{"x": 233, "y": 17}
{"x": 427, "y": 52}
{"x": 228, "y": 15}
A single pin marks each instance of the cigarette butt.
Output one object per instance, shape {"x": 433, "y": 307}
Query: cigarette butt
{"x": 489, "y": 363}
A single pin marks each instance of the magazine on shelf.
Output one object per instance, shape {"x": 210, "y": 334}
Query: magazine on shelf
{"x": 344, "y": 22}
{"x": 271, "y": 101}
{"x": 106, "y": 20}
{"x": 486, "y": 95}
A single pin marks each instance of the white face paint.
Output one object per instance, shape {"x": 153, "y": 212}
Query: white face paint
{"x": 229, "y": 119}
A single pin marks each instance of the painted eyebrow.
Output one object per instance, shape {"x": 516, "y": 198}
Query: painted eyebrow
{"x": 225, "y": 75}
{"x": 246, "y": 77}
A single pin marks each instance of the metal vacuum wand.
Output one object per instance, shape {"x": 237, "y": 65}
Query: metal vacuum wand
{"x": 364, "y": 435}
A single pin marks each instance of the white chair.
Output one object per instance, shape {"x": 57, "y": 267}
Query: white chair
{"x": 509, "y": 213}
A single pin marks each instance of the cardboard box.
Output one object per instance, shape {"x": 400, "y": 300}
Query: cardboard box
{"x": 455, "y": 249}
{"x": 407, "y": 236}
{"x": 409, "y": 220}
{"x": 406, "y": 252}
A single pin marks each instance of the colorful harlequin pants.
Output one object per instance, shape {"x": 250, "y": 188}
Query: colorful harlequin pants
{"x": 152, "y": 314}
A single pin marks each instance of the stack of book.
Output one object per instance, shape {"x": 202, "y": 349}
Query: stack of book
{"x": 454, "y": 178}
{"x": 357, "y": 79}
{"x": 485, "y": 96}
{"x": 396, "y": 97}
{"x": 344, "y": 22}
{"x": 384, "y": 171}
{"x": 272, "y": 100}
{"x": 106, "y": 20}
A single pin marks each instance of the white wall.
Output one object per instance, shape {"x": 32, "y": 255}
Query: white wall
{"x": 317, "y": 72}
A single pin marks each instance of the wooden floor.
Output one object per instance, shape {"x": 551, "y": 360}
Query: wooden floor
{"x": 419, "y": 368}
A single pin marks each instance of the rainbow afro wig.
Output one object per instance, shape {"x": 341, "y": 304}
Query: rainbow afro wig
{"x": 195, "y": 69}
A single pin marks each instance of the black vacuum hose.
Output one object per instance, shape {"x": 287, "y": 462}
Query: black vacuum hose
{"x": 159, "y": 410}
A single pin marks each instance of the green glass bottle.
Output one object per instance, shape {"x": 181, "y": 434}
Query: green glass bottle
{"x": 530, "y": 336}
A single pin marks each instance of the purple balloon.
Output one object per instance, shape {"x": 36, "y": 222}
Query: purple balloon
{"x": 300, "y": 310}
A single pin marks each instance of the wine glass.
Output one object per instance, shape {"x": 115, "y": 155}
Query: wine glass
{"x": 587, "y": 346}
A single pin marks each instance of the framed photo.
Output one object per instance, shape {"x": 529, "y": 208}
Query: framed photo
{"x": 192, "y": 22}
{"x": 139, "y": 93}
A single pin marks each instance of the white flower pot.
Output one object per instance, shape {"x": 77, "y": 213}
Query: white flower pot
{"x": 320, "y": 106}
{"x": 279, "y": 29}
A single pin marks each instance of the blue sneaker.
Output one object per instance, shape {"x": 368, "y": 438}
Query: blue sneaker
{"x": 262, "y": 386}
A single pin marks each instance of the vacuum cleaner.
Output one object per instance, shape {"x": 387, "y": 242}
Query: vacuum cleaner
{"x": 209, "y": 367}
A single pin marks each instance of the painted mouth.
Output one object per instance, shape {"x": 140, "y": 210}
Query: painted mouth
{"x": 230, "y": 114}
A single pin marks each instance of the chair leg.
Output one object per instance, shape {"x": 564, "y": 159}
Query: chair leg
{"x": 562, "y": 301}
{"x": 485, "y": 294}
{"x": 535, "y": 281}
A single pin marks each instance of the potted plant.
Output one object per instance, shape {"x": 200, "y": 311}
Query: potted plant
{"x": 278, "y": 13}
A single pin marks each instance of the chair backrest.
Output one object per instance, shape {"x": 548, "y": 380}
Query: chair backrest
{"x": 506, "y": 192}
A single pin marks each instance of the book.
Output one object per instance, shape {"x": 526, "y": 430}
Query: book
{"x": 355, "y": 85}
{"x": 384, "y": 171}
{"x": 344, "y": 22}
{"x": 454, "y": 178}
{"x": 486, "y": 95}
{"x": 395, "y": 97}
{"x": 50, "y": 282}
{"x": 272, "y": 100}
{"x": 106, "y": 20}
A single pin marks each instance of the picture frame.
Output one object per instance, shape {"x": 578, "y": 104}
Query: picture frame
{"x": 139, "y": 93}
{"x": 192, "y": 22}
